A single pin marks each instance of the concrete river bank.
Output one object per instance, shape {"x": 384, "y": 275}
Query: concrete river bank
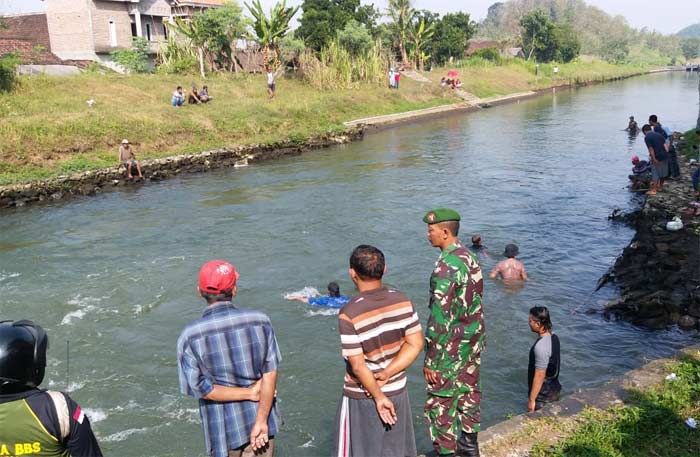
{"x": 115, "y": 274}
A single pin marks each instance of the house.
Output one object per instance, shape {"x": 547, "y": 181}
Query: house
{"x": 477, "y": 45}
{"x": 92, "y": 29}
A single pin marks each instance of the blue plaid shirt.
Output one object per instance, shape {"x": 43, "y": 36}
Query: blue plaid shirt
{"x": 230, "y": 347}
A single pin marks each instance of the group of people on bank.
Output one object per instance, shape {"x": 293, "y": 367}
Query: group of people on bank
{"x": 193, "y": 97}
{"x": 663, "y": 158}
{"x": 229, "y": 359}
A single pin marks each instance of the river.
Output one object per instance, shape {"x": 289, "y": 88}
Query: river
{"x": 116, "y": 274}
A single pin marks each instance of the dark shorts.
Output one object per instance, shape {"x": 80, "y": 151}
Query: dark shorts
{"x": 271, "y": 87}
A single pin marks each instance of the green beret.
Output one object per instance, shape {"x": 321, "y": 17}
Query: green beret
{"x": 440, "y": 215}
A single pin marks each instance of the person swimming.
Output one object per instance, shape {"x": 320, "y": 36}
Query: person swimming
{"x": 511, "y": 268}
{"x": 333, "y": 300}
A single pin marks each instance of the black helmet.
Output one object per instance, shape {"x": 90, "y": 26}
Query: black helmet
{"x": 23, "y": 347}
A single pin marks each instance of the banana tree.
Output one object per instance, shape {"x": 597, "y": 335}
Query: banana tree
{"x": 402, "y": 15}
{"x": 269, "y": 30}
{"x": 420, "y": 35}
{"x": 196, "y": 35}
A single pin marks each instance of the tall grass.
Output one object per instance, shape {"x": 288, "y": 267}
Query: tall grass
{"x": 336, "y": 68}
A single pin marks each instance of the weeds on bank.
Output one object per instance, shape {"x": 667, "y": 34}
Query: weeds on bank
{"x": 691, "y": 149}
{"x": 649, "y": 424}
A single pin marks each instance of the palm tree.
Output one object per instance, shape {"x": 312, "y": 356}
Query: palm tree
{"x": 401, "y": 14}
{"x": 419, "y": 35}
{"x": 268, "y": 30}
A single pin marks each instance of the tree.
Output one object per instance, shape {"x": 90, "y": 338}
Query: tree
{"x": 539, "y": 36}
{"x": 568, "y": 45}
{"x": 322, "y": 19}
{"x": 135, "y": 59}
{"x": 355, "y": 38}
{"x": 401, "y": 14}
{"x": 196, "y": 35}
{"x": 451, "y": 37}
{"x": 420, "y": 35}
{"x": 690, "y": 48}
{"x": 221, "y": 27}
{"x": 615, "y": 50}
{"x": 268, "y": 30}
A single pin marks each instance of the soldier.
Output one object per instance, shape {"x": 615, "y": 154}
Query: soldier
{"x": 454, "y": 340}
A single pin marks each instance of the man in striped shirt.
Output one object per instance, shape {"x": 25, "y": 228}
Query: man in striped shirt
{"x": 381, "y": 336}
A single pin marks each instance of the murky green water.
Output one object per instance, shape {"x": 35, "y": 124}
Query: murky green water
{"x": 116, "y": 274}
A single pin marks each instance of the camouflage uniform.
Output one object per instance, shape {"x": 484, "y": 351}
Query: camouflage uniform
{"x": 454, "y": 340}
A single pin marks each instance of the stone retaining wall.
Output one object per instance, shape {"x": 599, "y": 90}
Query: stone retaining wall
{"x": 97, "y": 181}
{"x": 659, "y": 271}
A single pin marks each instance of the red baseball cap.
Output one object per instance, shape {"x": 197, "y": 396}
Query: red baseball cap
{"x": 217, "y": 276}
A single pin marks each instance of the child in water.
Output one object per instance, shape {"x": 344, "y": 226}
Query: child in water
{"x": 332, "y": 300}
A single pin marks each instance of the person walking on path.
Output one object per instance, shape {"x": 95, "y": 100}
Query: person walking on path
{"x": 510, "y": 269}
{"x": 543, "y": 367}
{"x": 381, "y": 337}
{"x": 658, "y": 152}
{"x": 33, "y": 421}
{"x": 228, "y": 360}
{"x": 454, "y": 340}
{"x": 128, "y": 159}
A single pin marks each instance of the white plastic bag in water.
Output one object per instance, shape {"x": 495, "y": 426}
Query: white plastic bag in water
{"x": 674, "y": 225}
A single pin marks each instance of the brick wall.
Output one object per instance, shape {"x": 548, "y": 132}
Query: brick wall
{"x": 102, "y": 13}
{"x": 29, "y": 27}
{"x": 70, "y": 29}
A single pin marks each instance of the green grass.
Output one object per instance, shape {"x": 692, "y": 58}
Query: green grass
{"x": 691, "y": 149}
{"x": 650, "y": 424}
{"x": 487, "y": 79}
{"x": 47, "y": 129}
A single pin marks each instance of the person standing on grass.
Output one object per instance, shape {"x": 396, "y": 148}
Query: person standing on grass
{"x": 454, "y": 340}
{"x": 228, "y": 360}
{"x": 543, "y": 368}
{"x": 658, "y": 151}
{"x": 397, "y": 77}
{"x": 381, "y": 337}
{"x": 270, "y": 83}
{"x": 128, "y": 159}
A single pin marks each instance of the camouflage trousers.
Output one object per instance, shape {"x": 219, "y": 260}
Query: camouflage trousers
{"x": 448, "y": 416}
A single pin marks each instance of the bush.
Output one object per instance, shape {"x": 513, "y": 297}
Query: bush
{"x": 291, "y": 49}
{"x": 355, "y": 38}
{"x": 492, "y": 54}
{"x": 8, "y": 72}
{"x": 135, "y": 60}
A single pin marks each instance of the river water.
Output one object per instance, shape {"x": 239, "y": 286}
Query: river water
{"x": 116, "y": 274}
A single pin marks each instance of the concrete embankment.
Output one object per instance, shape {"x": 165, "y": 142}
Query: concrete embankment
{"x": 658, "y": 273}
{"x": 97, "y": 181}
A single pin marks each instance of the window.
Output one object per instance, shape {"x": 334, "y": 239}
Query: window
{"x": 112, "y": 34}
{"x": 148, "y": 32}
{"x": 134, "y": 32}
{"x": 165, "y": 31}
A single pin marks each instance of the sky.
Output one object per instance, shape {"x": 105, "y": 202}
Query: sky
{"x": 667, "y": 17}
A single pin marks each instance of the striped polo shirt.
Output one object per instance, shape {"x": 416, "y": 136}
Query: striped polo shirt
{"x": 374, "y": 324}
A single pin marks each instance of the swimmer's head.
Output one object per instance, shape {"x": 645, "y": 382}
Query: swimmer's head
{"x": 333, "y": 289}
{"x": 635, "y": 160}
{"x": 511, "y": 251}
{"x": 476, "y": 240}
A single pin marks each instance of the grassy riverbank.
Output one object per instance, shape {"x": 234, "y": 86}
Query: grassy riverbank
{"x": 48, "y": 129}
{"x": 650, "y": 423}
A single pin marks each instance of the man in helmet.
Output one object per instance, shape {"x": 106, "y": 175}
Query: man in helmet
{"x": 228, "y": 359}
{"x": 35, "y": 421}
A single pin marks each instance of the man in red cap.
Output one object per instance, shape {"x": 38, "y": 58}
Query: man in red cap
{"x": 228, "y": 360}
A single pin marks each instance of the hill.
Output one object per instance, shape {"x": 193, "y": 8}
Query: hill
{"x": 692, "y": 31}
{"x": 600, "y": 33}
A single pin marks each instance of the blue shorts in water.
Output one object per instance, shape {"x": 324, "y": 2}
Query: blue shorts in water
{"x": 328, "y": 301}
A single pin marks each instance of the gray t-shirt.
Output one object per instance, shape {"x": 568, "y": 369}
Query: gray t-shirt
{"x": 543, "y": 351}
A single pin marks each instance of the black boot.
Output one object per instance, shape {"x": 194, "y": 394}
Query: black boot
{"x": 467, "y": 445}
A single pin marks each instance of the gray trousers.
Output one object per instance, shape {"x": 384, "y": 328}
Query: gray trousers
{"x": 359, "y": 432}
